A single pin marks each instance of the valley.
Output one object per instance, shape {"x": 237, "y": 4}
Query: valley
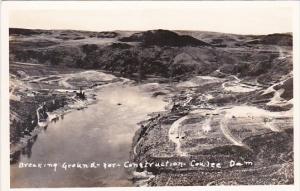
{"x": 153, "y": 96}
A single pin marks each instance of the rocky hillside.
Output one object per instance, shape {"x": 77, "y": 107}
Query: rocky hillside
{"x": 163, "y": 53}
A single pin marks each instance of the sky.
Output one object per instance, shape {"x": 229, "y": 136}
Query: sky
{"x": 134, "y": 16}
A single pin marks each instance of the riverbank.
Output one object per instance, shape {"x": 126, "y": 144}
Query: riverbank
{"x": 101, "y": 132}
{"x": 56, "y": 90}
{"x": 216, "y": 125}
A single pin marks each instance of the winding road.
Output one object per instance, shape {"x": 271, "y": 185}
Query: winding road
{"x": 174, "y": 135}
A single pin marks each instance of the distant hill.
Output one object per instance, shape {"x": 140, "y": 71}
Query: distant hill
{"x": 274, "y": 39}
{"x": 176, "y": 54}
{"x": 163, "y": 38}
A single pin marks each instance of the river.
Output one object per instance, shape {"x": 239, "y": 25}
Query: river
{"x": 102, "y": 132}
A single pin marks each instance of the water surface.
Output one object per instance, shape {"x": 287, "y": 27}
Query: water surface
{"x": 102, "y": 132}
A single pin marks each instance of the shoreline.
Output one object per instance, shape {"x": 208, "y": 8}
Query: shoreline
{"x": 120, "y": 84}
{"x": 72, "y": 104}
{"x": 179, "y": 106}
{"x": 41, "y": 125}
{"x": 151, "y": 141}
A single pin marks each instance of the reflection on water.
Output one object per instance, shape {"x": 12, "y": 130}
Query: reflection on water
{"x": 54, "y": 120}
{"x": 102, "y": 132}
{"x": 27, "y": 149}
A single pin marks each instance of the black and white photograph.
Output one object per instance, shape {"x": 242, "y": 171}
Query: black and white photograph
{"x": 151, "y": 94}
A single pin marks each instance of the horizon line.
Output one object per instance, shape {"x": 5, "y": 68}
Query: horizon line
{"x": 130, "y": 30}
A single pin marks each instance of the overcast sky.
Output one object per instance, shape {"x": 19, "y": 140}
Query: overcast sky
{"x": 239, "y": 19}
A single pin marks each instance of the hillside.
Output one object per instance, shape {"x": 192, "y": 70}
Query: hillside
{"x": 157, "y": 52}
